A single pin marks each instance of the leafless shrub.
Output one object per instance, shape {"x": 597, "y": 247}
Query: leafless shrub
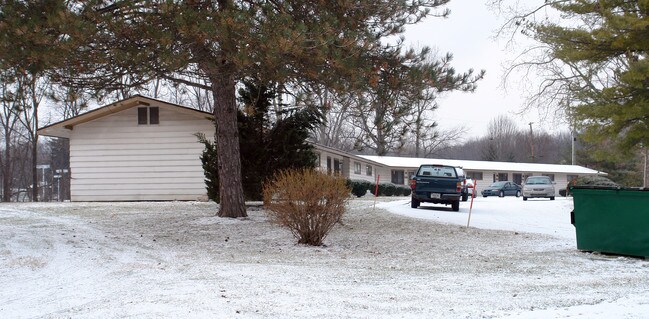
{"x": 307, "y": 202}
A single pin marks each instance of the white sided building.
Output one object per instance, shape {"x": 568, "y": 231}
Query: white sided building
{"x": 399, "y": 170}
{"x": 143, "y": 149}
{"x": 136, "y": 149}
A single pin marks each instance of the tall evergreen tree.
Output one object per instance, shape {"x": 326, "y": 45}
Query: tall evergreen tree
{"x": 603, "y": 46}
{"x": 225, "y": 41}
{"x": 35, "y": 37}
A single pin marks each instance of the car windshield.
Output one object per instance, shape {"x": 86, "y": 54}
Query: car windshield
{"x": 437, "y": 171}
{"x": 498, "y": 184}
{"x": 538, "y": 181}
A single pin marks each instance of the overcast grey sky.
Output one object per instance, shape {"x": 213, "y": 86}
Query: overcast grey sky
{"x": 468, "y": 33}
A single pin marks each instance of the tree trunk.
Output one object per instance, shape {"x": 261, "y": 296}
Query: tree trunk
{"x": 6, "y": 170}
{"x": 35, "y": 145}
{"x": 232, "y": 203}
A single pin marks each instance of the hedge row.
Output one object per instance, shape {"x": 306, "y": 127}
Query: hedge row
{"x": 360, "y": 188}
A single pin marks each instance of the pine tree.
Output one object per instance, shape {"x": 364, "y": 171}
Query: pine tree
{"x": 605, "y": 46}
{"x": 34, "y": 40}
{"x": 225, "y": 41}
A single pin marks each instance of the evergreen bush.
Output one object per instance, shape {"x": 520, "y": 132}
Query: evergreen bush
{"x": 402, "y": 190}
{"x": 389, "y": 189}
{"x": 595, "y": 181}
{"x": 373, "y": 189}
{"x": 359, "y": 187}
{"x": 381, "y": 189}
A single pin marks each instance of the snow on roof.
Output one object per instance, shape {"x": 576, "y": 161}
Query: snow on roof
{"x": 414, "y": 162}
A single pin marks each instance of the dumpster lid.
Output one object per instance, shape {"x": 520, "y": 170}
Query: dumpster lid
{"x": 609, "y": 188}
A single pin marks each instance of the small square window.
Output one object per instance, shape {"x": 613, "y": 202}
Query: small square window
{"x": 148, "y": 115}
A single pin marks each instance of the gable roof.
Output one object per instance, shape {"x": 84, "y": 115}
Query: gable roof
{"x": 63, "y": 128}
{"x": 413, "y": 162}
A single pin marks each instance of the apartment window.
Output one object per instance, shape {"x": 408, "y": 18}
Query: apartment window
{"x": 518, "y": 178}
{"x": 338, "y": 165}
{"x": 572, "y": 177}
{"x": 500, "y": 177}
{"x": 357, "y": 168}
{"x": 148, "y": 115}
{"x": 368, "y": 170}
{"x": 397, "y": 177}
{"x": 329, "y": 168}
{"x": 476, "y": 176}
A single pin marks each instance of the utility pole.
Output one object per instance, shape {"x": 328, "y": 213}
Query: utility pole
{"x": 574, "y": 141}
{"x": 532, "y": 141}
{"x": 644, "y": 179}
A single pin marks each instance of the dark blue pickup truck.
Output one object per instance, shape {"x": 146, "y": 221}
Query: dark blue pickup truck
{"x": 437, "y": 184}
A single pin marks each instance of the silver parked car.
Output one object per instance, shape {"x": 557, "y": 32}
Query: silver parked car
{"x": 538, "y": 186}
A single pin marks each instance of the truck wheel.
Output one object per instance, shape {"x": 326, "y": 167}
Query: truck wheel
{"x": 465, "y": 197}
{"x": 552, "y": 198}
{"x": 455, "y": 206}
{"x": 501, "y": 194}
{"x": 414, "y": 203}
{"x": 524, "y": 198}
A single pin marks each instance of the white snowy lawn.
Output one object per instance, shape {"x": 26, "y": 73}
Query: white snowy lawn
{"x": 176, "y": 260}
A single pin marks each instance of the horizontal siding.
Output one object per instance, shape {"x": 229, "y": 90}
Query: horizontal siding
{"x": 188, "y": 140}
{"x": 118, "y": 176}
{"x": 123, "y": 179}
{"x": 143, "y": 188}
{"x": 135, "y": 146}
{"x": 114, "y": 158}
{"x": 136, "y": 197}
{"x": 143, "y": 165}
{"x": 129, "y": 170}
{"x": 145, "y": 133}
{"x": 123, "y": 119}
{"x": 141, "y": 151}
{"x": 140, "y": 158}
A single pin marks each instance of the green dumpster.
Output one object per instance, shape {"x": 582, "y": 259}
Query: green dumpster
{"x": 611, "y": 220}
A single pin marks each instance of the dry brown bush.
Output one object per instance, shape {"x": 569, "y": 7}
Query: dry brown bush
{"x": 307, "y": 202}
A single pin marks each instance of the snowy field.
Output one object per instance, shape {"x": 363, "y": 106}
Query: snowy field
{"x": 176, "y": 260}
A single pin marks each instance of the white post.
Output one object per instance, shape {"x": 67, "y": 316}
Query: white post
{"x": 644, "y": 179}
{"x": 574, "y": 139}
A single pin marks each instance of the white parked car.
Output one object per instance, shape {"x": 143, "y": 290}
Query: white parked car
{"x": 538, "y": 186}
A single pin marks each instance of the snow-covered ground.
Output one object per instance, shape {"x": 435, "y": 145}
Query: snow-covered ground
{"x": 176, "y": 260}
{"x": 540, "y": 215}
